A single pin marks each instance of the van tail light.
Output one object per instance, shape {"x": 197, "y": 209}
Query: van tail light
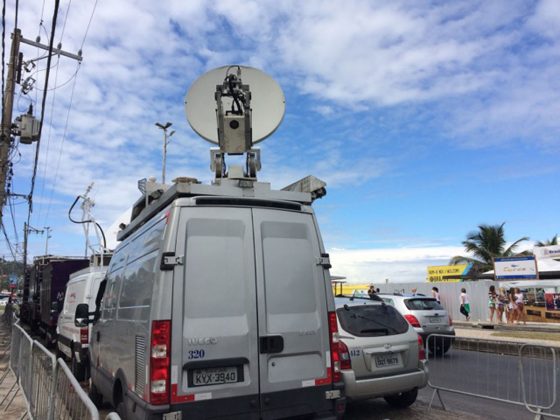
{"x": 335, "y": 347}
{"x": 160, "y": 360}
{"x": 421, "y": 349}
{"x": 412, "y": 320}
{"x": 84, "y": 335}
{"x": 345, "y": 362}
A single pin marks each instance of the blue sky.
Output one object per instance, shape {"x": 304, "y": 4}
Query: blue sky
{"x": 425, "y": 118}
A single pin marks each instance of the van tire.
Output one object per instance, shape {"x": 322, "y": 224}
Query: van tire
{"x": 121, "y": 410}
{"x": 94, "y": 394}
{"x": 78, "y": 369}
{"x": 402, "y": 399}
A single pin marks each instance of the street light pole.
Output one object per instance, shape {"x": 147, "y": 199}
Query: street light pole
{"x": 48, "y": 229}
{"x": 165, "y": 143}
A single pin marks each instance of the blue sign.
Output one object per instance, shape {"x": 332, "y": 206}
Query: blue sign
{"x": 12, "y": 278}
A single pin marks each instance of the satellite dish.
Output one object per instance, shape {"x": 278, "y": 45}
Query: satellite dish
{"x": 268, "y": 103}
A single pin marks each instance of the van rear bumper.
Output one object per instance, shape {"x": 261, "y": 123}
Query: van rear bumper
{"x": 301, "y": 402}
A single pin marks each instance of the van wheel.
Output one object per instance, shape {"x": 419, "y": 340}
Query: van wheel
{"x": 78, "y": 369}
{"x": 402, "y": 399}
{"x": 94, "y": 394}
{"x": 121, "y": 410}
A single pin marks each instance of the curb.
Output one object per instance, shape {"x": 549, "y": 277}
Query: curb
{"x": 508, "y": 327}
{"x": 510, "y": 348}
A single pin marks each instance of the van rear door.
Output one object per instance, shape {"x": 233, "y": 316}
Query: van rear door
{"x": 214, "y": 329}
{"x": 292, "y": 313}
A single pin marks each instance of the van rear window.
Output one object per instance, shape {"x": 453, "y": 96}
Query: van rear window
{"x": 422, "y": 304}
{"x": 371, "y": 320}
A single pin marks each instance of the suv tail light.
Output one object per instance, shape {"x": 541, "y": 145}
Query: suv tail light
{"x": 335, "y": 347}
{"x": 160, "y": 361}
{"x": 345, "y": 362}
{"x": 421, "y": 349}
{"x": 84, "y": 335}
{"x": 412, "y": 320}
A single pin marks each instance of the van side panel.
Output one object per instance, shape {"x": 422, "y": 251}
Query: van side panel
{"x": 214, "y": 301}
{"x": 290, "y": 282}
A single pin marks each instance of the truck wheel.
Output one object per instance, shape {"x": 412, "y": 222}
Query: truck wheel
{"x": 78, "y": 369}
{"x": 94, "y": 395}
{"x": 402, "y": 399}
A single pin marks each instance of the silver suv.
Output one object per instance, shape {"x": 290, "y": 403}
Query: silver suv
{"x": 381, "y": 354}
{"x": 427, "y": 316}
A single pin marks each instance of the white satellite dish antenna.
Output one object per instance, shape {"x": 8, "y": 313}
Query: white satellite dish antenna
{"x": 267, "y": 102}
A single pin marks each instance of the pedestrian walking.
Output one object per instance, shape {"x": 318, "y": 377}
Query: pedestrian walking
{"x": 435, "y": 294}
{"x": 492, "y": 302}
{"x": 501, "y": 303}
{"x": 520, "y": 306}
{"x": 465, "y": 308}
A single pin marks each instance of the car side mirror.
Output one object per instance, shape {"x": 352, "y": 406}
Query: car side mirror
{"x": 81, "y": 316}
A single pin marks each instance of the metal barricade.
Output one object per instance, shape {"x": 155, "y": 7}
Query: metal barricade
{"x": 17, "y": 334}
{"x": 43, "y": 364}
{"x": 70, "y": 400}
{"x": 25, "y": 365}
{"x": 510, "y": 372}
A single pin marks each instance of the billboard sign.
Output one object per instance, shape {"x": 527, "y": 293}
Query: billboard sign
{"x": 447, "y": 273}
{"x": 551, "y": 251}
{"x": 515, "y": 268}
{"x": 552, "y": 301}
{"x": 13, "y": 280}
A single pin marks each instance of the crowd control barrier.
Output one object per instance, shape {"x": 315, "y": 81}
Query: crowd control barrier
{"x": 509, "y": 372}
{"x": 47, "y": 384}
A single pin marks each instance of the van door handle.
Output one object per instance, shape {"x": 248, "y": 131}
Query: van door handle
{"x": 271, "y": 344}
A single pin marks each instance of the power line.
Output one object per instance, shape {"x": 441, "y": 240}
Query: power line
{"x": 89, "y": 23}
{"x": 62, "y": 144}
{"x": 53, "y": 29}
{"x": 8, "y": 241}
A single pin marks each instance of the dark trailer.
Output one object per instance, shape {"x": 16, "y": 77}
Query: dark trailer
{"x": 52, "y": 273}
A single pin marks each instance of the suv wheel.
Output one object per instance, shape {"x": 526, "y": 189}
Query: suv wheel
{"x": 402, "y": 399}
{"x": 94, "y": 394}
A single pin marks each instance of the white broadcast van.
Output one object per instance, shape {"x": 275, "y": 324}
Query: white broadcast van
{"x": 72, "y": 340}
{"x": 218, "y": 301}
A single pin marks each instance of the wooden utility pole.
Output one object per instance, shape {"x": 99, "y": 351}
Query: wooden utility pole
{"x": 6, "y": 136}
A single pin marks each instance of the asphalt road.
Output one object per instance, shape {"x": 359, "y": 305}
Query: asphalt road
{"x": 493, "y": 375}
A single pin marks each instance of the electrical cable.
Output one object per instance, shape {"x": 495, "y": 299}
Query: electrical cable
{"x": 89, "y": 23}
{"x": 8, "y": 241}
{"x": 12, "y": 212}
{"x": 43, "y": 102}
{"x": 65, "y": 20}
{"x": 60, "y": 151}
{"x": 46, "y": 158}
{"x": 82, "y": 222}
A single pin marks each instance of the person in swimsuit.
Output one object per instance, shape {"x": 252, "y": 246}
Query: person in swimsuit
{"x": 492, "y": 302}
{"x": 519, "y": 306}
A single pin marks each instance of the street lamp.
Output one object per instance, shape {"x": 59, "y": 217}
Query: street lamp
{"x": 165, "y": 143}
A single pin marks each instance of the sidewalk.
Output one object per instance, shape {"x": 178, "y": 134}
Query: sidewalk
{"x": 468, "y": 331}
{"x": 13, "y": 404}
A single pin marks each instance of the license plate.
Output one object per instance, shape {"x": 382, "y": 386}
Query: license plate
{"x": 435, "y": 320}
{"x": 387, "y": 360}
{"x": 214, "y": 376}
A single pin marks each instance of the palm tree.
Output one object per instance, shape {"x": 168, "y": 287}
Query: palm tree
{"x": 553, "y": 241}
{"x": 485, "y": 244}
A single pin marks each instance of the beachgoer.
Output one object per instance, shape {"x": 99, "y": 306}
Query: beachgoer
{"x": 435, "y": 294}
{"x": 501, "y": 304}
{"x": 465, "y": 308}
{"x": 371, "y": 291}
{"x": 414, "y": 290}
{"x": 492, "y": 301}
{"x": 511, "y": 312}
{"x": 519, "y": 306}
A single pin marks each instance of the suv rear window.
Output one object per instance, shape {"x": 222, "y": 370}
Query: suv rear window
{"x": 371, "y": 320}
{"x": 422, "y": 304}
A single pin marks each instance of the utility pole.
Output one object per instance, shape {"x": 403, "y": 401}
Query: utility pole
{"x": 6, "y": 137}
{"x": 14, "y": 75}
{"x": 165, "y": 143}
